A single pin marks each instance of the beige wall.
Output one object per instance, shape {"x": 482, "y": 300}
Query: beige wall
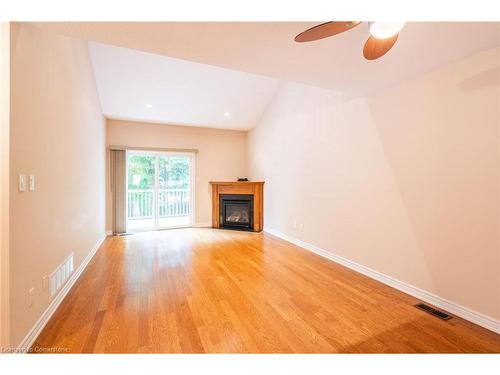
{"x": 4, "y": 181}
{"x": 57, "y": 134}
{"x": 404, "y": 181}
{"x": 221, "y": 155}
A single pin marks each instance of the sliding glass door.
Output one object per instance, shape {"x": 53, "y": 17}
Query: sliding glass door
{"x": 159, "y": 190}
{"x": 174, "y": 191}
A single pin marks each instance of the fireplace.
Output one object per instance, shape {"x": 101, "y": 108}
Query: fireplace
{"x": 238, "y": 205}
{"x": 236, "y": 211}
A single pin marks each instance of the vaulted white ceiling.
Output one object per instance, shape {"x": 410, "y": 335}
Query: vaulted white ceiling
{"x": 268, "y": 48}
{"x": 263, "y": 48}
{"x": 135, "y": 85}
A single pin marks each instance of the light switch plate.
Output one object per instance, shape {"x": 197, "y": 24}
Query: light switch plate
{"x": 22, "y": 182}
{"x": 32, "y": 182}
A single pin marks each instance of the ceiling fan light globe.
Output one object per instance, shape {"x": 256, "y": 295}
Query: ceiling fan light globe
{"x": 384, "y": 30}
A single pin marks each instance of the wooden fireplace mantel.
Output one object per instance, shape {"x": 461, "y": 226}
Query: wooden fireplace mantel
{"x": 256, "y": 188}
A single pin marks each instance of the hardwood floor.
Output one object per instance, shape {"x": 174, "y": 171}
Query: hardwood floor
{"x": 215, "y": 291}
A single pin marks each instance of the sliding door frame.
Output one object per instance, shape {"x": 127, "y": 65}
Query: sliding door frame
{"x": 156, "y": 208}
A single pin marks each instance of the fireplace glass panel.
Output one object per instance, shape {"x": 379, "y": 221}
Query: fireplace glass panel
{"x": 236, "y": 211}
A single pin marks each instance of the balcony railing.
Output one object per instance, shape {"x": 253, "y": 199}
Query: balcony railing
{"x": 171, "y": 202}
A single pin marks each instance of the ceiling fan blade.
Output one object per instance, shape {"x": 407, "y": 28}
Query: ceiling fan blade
{"x": 375, "y": 48}
{"x": 325, "y": 30}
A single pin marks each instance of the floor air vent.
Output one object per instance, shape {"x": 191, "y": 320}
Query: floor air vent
{"x": 433, "y": 311}
{"x": 60, "y": 276}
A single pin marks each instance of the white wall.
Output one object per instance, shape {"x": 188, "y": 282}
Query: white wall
{"x": 4, "y": 181}
{"x": 57, "y": 134}
{"x": 404, "y": 181}
{"x": 221, "y": 156}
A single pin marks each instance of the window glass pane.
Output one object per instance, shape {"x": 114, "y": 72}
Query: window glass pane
{"x": 140, "y": 194}
{"x": 174, "y": 190}
{"x": 141, "y": 172}
{"x": 174, "y": 172}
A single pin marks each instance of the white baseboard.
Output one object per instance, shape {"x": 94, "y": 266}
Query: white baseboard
{"x": 203, "y": 225}
{"x": 196, "y": 225}
{"x": 449, "y": 306}
{"x": 47, "y": 314}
